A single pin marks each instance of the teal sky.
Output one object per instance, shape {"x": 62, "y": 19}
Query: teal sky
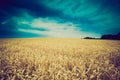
{"x": 59, "y": 18}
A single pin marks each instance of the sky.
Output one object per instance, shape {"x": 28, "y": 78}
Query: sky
{"x": 59, "y": 18}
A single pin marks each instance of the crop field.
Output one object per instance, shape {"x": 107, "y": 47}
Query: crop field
{"x": 59, "y": 59}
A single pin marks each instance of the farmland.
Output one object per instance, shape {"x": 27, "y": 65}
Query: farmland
{"x": 59, "y": 59}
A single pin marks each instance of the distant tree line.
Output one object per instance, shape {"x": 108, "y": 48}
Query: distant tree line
{"x": 112, "y": 37}
{"x": 107, "y": 36}
{"x": 89, "y": 38}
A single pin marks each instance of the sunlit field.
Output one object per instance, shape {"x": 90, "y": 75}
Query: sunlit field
{"x": 59, "y": 59}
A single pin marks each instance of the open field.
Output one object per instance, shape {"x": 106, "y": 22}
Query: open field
{"x": 59, "y": 59}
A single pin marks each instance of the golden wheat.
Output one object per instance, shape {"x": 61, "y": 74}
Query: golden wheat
{"x": 59, "y": 59}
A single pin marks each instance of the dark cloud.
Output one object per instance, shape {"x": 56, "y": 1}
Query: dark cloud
{"x": 101, "y": 16}
{"x": 10, "y": 8}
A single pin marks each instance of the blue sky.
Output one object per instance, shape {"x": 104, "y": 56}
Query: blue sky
{"x": 59, "y": 18}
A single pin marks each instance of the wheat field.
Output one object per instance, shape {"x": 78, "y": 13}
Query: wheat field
{"x": 59, "y": 59}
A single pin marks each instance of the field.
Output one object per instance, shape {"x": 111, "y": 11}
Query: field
{"x": 59, "y": 59}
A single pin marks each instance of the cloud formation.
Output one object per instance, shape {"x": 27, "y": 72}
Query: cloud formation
{"x": 59, "y": 18}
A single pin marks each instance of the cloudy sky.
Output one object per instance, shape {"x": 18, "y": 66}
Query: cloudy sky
{"x": 59, "y": 18}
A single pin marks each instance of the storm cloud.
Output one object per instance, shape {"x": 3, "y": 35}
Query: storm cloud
{"x": 59, "y": 18}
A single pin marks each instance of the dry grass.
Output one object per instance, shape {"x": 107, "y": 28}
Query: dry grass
{"x": 59, "y": 59}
